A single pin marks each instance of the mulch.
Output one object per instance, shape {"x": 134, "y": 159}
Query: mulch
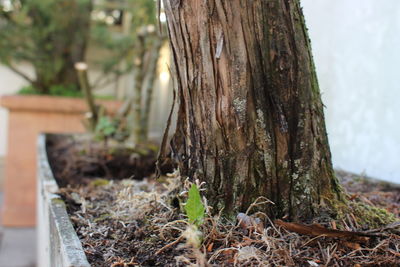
{"x": 124, "y": 216}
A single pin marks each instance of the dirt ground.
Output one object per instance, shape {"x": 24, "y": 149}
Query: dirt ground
{"x": 134, "y": 222}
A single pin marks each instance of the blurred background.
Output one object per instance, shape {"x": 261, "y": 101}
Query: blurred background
{"x": 355, "y": 50}
{"x": 355, "y": 45}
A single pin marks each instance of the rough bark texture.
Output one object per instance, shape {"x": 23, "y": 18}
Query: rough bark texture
{"x": 250, "y": 119}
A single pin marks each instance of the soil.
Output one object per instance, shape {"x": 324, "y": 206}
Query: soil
{"x": 124, "y": 216}
{"x": 374, "y": 192}
{"x": 80, "y": 160}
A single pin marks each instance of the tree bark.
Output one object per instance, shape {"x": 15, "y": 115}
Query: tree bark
{"x": 250, "y": 120}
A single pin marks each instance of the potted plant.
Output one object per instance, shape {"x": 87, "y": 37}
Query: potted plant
{"x": 51, "y": 36}
{"x": 34, "y": 32}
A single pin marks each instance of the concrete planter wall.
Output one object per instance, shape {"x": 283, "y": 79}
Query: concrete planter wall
{"x": 29, "y": 116}
{"x": 58, "y": 244}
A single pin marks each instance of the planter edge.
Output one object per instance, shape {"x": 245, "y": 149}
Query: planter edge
{"x": 55, "y": 104}
{"x": 58, "y": 243}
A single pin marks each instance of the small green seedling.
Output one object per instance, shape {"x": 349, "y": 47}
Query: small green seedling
{"x": 194, "y": 207}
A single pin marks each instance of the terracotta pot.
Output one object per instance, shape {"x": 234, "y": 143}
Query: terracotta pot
{"x": 29, "y": 116}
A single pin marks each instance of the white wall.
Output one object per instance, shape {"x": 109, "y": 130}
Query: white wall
{"x": 356, "y": 49}
{"x": 9, "y": 84}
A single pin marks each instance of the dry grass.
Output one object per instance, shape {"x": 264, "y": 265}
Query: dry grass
{"x": 131, "y": 223}
{"x": 231, "y": 244}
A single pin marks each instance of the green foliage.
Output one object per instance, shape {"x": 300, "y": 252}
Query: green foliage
{"x": 100, "y": 182}
{"x": 55, "y": 90}
{"x": 105, "y": 97}
{"x": 370, "y": 216}
{"x": 135, "y": 46}
{"x": 50, "y": 35}
{"x": 60, "y": 90}
{"x": 53, "y": 35}
{"x": 121, "y": 46}
{"x": 65, "y": 90}
{"x": 142, "y": 9}
{"x": 105, "y": 128}
{"x": 194, "y": 207}
{"x": 29, "y": 90}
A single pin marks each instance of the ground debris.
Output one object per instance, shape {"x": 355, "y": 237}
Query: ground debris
{"x": 119, "y": 223}
{"x": 319, "y": 230}
{"x": 133, "y": 223}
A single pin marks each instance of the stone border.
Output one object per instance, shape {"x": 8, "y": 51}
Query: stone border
{"x": 58, "y": 243}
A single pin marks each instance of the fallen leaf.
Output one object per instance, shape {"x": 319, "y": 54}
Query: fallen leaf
{"x": 319, "y": 230}
{"x": 352, "y": 245}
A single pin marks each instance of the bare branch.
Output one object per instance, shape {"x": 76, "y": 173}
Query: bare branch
{"x": 20, "y": 73}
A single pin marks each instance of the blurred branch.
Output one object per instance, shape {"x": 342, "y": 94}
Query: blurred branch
{"x": 158, "y": 17}
{"x": 149, "y": 86}
{"x": 106, "y": 80}
{"x": 101, "y": 80}
{"x": 81, "y": 69}
{"x": 20, "y": 73}
{"x": 137, "y": 97}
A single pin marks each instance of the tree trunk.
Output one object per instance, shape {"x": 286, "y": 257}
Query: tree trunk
{"x": 250, "y": 120}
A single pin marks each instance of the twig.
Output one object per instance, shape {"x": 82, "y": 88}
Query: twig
{"x": 256, "y": 203}
{"x": 216, "y": 254}
{"x": 168, "y": 225}
{"x": 81, "y": 68}
{"x": 20, "y": 73}
{"x": 169, "y": 245}
{"x": 163, "y": 148}
{"x": 148, "y": 86}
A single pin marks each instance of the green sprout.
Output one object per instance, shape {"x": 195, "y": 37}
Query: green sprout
{"x": 194, "y": 207}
